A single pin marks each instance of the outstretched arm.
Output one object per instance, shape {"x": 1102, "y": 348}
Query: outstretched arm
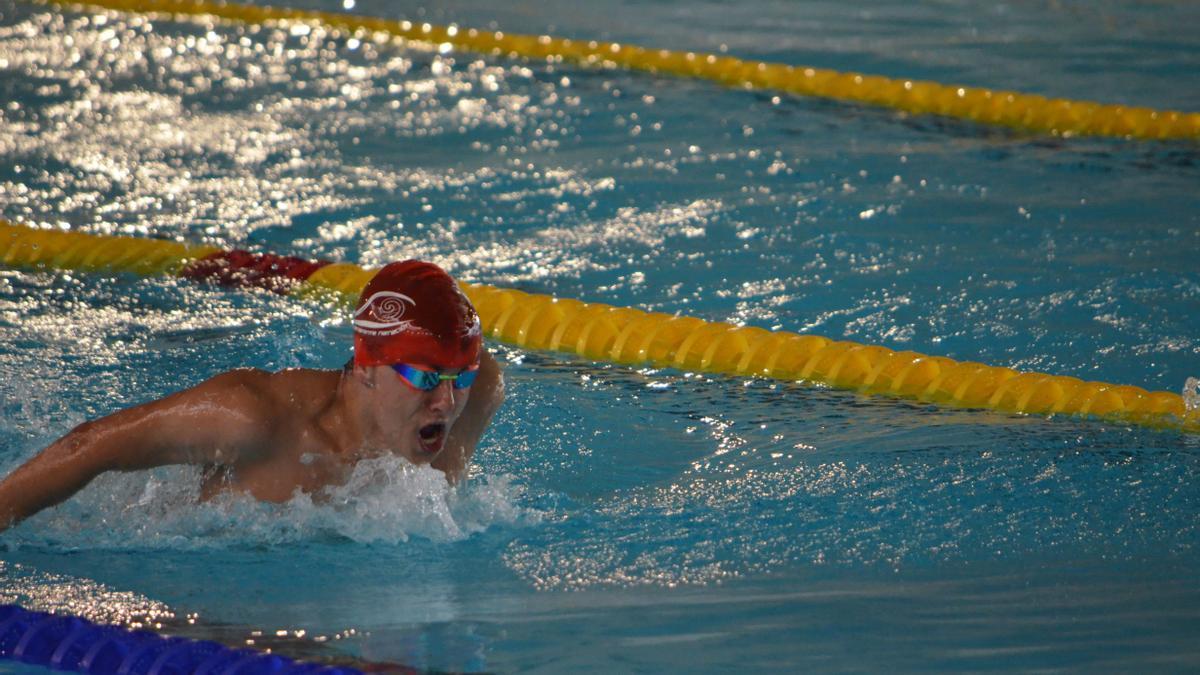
{"x": 217, "y": 421}
{"x": 484, "y": 400}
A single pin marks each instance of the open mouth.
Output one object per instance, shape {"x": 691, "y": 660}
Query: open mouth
{"x": 432, "y": 436}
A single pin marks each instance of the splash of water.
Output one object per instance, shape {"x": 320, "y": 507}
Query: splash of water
{"x": 386, "y": 500}
{"x": 1191, "y": 394}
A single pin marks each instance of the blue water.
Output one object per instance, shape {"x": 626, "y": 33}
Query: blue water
{"x": 622, "y": 519}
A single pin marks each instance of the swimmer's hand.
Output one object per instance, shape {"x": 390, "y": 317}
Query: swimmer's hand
{"x": 216, "y": 422}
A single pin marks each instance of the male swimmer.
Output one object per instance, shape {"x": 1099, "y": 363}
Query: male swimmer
{"x": 420, "y": 385}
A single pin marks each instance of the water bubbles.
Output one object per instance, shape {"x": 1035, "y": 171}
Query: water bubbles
{"x": 1191, "y": 394}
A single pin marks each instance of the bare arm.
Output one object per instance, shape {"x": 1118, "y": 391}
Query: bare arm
{"x": 484, "y": 400}
{"x": 217, "y": 421}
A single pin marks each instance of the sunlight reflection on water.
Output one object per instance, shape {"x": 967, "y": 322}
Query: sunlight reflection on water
{"x": 602, "y": 492}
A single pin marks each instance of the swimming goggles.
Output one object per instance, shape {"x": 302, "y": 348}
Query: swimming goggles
{"x": 428, "y": 380}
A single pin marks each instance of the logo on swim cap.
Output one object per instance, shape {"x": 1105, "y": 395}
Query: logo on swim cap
{"x": 382, "y": 314}
{"x": 413, "y": 312}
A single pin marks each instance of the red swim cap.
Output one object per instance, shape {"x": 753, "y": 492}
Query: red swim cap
{"x": 413, "y": 312}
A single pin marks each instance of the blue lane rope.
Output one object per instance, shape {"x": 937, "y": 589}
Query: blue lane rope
{"x": 75, "y": 644}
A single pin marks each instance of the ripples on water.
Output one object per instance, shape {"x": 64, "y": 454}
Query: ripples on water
{"x": 737, "y": 509}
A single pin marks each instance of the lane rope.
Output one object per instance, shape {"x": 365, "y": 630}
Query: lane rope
{"x": 630, "y": 336}
{"x": 1032, "y": 112}
{"x": 71, "y": 643}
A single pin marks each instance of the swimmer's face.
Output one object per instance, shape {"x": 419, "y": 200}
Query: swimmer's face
{"x": 414, "y": 423}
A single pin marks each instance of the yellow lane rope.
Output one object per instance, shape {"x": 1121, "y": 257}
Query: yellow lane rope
{"x": 987, "y": 106}
{"x": 631, "y": 336}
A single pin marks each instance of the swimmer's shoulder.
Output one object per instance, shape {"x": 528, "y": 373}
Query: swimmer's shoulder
{"x": 256, "y": 379}
{"x": 262, "y": 393}
{"x": 243, "y": 381}
{"x": 245, "y": 390}
{"x": 299, "y": 381}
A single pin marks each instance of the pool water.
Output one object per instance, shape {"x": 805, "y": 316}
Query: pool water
{"x": 616, "y": 518}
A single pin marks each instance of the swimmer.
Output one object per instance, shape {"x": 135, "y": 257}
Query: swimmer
{"x": 420, "y": 385}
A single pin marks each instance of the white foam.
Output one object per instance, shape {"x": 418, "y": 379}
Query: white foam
{"x": 1191, "y": 394}
{"x": 386, "y": 500}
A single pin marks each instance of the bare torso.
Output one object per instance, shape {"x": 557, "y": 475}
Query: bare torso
{"x": 303, "y": 455}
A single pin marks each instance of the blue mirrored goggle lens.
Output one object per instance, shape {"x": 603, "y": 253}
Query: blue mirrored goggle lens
{"x": 428, "y": 380}
{"x": 466, "y": 378}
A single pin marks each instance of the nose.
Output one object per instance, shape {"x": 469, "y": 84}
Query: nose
{"x": 441, "y": 399}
